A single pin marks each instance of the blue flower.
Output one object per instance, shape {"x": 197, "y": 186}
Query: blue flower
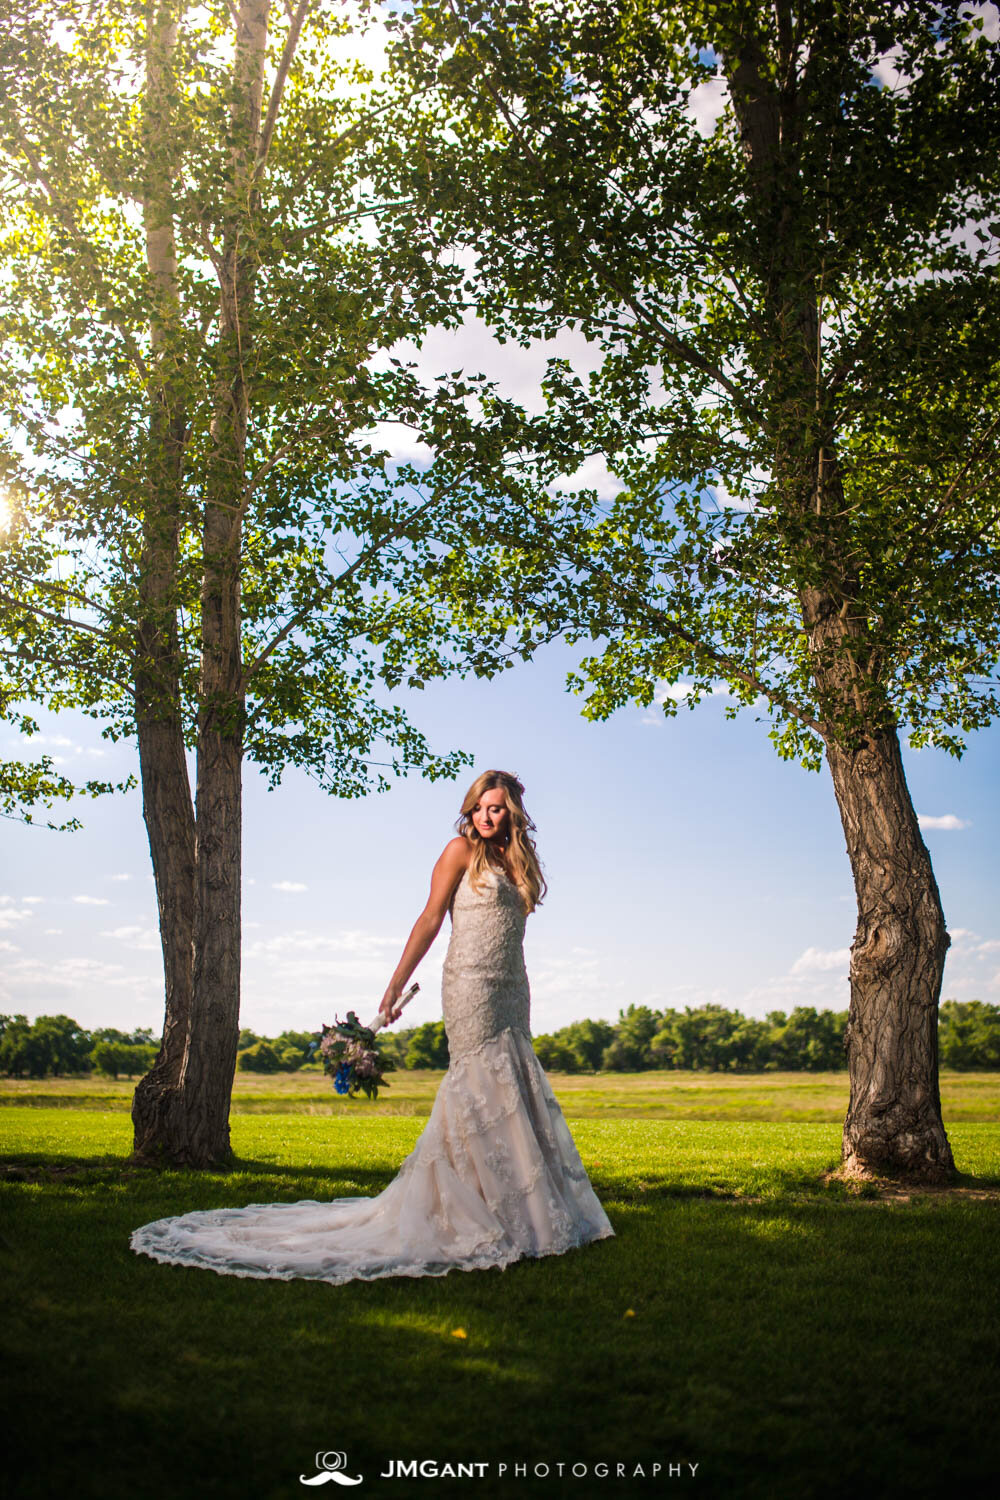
{"x": 342, "y": 1078}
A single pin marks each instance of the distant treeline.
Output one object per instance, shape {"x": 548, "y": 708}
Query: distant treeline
{"x": 708, "y": 1038}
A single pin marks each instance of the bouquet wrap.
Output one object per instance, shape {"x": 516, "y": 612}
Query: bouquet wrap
{"x": 380, "y": 1020}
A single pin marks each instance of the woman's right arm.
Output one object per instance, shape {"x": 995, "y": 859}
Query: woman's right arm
{"x": 445, "y": 877}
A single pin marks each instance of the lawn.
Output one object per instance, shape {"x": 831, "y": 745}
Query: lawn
{"x": 658, "y": 1095}
{"x": 788, "y": 1337}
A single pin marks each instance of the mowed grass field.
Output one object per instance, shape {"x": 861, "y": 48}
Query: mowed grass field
{"x": 787, "y": 1336}
{"x": 663, "y": 1095}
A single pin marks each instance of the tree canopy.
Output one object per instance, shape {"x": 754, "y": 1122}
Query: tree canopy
{"x": 795, "y": 314}
{"x": 116, "y": 152}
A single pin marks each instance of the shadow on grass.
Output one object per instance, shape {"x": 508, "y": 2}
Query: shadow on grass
{"x": 797, "y": 1346}
{"x": 776, "y": 1184}
{"x": 34, "y": 1167}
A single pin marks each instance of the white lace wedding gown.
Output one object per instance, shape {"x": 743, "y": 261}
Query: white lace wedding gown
{"x": 495, "y": 1175}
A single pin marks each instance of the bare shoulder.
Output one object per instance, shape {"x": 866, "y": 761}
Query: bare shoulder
{"x": 456, "y": 854}
{"x": 448, "y": 871}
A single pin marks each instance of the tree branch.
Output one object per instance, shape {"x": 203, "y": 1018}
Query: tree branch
{"x": 70, "y": 667}
{"x": 677, "y": 346}
{"x": 49, "y": 614}
{"x": 335, "y": 220}
{"x": 319, "y": 430}
{"x": 278, "y": 88}
{"x": 942, "y": 506}
{"x": 329, "y": 589}
{"x": 670, "y": 629}
{"x": 86, "y": 249}
{"x": 55, "y": 587}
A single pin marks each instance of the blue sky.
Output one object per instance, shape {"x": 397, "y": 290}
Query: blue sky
{"x": 686, "y": 863}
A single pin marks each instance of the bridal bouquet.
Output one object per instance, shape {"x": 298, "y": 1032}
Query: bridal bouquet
{"x": 351, "y": 1055}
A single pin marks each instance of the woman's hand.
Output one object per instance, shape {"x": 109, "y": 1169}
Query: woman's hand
{"x": 388, "y": 1003}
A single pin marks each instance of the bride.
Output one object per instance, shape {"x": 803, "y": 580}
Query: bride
{"x": 495, "y": 1175}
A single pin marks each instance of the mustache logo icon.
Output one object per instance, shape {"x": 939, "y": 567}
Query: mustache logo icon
{"x": 331, "y": 1466}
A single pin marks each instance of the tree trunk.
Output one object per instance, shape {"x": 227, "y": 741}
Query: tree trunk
{"x": 181, "y": 1109}
{"x": 169, "y": 818}
{"x": 213, "y": 1033}
{"x": 166, "y": 794}
{"x": 894, "y": 1121}
{"x": 893, "y": 1124}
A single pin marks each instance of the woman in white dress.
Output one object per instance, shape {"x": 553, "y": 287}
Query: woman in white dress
{"x": 495, "y": 1175}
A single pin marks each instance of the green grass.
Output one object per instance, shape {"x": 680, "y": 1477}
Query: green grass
{"x": 660, "y": 1095}
{"x": 793, "y": 1339}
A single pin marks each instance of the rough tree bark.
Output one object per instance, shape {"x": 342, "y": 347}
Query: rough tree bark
{"x": 214, "y": 1032}
{"x": 182, "y": 1108}
{"x": 893, "y": 1123}
{"x": 166, "y": 793}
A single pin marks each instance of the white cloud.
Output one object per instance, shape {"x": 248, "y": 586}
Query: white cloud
{"x": 69, "y": 973}
{"x": 990, "y": 15}
{"x": 728, "y": 501}
{"x": 678, "y": 691}
{"x": 888, "y": 73}
{"x": 10, "y": 914}
{"x": 706, "y": 103}
{"x": 593, "y": 474}
{"x": 353, "y": 943}
{"x": 946, "y": 821}
{"x": 566, "y": 987}
{"x": 58, "y": 740}
{"x": 822, "y": 959}
{"x": 399, "y": 441}
{"x": 119, "y": 877}
{"x": 518, "y": 373}
{"x": 32, "y": 900}
{"x": 365, "y": 42}
{"x": 288, "y": 885}
{"x": 819, "y": 977}
{"x": 144, "y": 939}
{"x": 91, "y": 901}
{"x": 322, "y": 973}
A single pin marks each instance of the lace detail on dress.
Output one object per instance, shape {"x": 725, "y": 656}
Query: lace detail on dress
{"x": 484, "y": 987}
{"x": 494, "y": 1177}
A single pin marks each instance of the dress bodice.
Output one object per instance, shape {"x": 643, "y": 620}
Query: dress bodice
{"x": 484, "y": 982}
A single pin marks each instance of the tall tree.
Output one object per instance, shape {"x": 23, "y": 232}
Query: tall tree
{"x": 777, "y": 226}
{"x": 205, "y": 530}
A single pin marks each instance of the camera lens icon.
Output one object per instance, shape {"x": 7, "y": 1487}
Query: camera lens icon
{"x": 331, "y": 1461}
{"x": 331, "y": 1466}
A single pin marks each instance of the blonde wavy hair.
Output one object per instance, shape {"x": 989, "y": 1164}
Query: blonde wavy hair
{"x": 522, "y": 857}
